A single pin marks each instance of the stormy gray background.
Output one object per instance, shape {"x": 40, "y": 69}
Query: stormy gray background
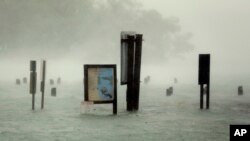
{"x": 70, "y": 33}
{"x": 218, "y": 27}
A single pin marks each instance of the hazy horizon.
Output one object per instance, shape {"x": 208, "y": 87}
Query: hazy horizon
{"x": 69, "y": 34}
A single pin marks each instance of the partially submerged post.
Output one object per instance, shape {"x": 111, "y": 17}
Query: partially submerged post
{"x": 43, "y": 69}
{"x": 25, "y": 80}
{"x": 33, "y": 82}
{"x": 147, "y": 79}
{"x": 53, "y": 91}
{"x": 131, "y": 46}
{"x": 18, "y": 82}
{"x": 169, "y": 91}
{"x": 240, "y": 90}
{"x": 204, "y": 78}
{"x": 59, "y": 80}
{"x": 175, "y": 80}
{"x": 51, "y": 81}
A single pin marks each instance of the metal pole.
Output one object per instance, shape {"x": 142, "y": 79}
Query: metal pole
{"x": 43, "y": 65}
{"x": 33, "y": 101}
{"x": 33, "y": 82}
{"x": 42, "y": 100}
{"x": 130, "y": 73}
{"x": 208, "y": 95}
{"x": 201, "y": 96}
{"x": 137, "y": 70}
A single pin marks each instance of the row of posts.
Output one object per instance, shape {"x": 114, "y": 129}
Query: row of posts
{"x": 33, "y": 81}
{"x": 131, "y": 50}
{"x": 25, "y": 81}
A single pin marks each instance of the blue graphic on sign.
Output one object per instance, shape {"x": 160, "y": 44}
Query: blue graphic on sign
{"x": 105, "y": 84}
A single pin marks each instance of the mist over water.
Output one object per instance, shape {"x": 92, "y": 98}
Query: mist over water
{"x": 71, "y": 33}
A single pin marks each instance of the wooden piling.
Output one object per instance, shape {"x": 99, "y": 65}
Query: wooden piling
{"x": 43, "y": 69}
{"x": 204, "y": 78}
{"x": 240, "y": 90}
{"x": 33, "y": 82}
{"x": 130, "y": 72}
{"x": 201, "y": 96}
{"x": 137, "y": 70}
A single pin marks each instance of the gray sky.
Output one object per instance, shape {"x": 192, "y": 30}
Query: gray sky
{"x": 219, "y": 27}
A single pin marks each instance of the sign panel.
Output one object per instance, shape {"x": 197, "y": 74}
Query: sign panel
{"x": 124, "y": 55}
{"x": 204, "y": 68}
{"x": 100, "y": 83}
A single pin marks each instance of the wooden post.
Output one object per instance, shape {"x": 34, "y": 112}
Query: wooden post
{"x": 59, "y": 80}
{"x": 208, "y": 94}
{"x": 33, "y": 82}
{"x": 24, "y": 80}
{"x": 137, "y": 70}
{"x": 130, "y": 73}
{"x": 43, "y": 69}
{"x": 240, "y": 90}
{"x": 18, "y": 82}
{"x": 204, "y": 78}
{"x": 42, "y": 99}
{"x": 53, "y": 91}
{"x": 201, "y": 96}
{"x": 51, "y": 81}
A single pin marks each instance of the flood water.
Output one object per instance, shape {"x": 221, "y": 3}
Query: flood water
{"x": 161, "y": 117}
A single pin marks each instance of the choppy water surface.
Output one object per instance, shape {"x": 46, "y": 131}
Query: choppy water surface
{"x": 160, "y": 117}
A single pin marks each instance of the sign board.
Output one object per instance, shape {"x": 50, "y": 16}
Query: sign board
{"x": 124, "y": 55}
{"x": 204, "y": 68}
{"x": 100, "y": 83}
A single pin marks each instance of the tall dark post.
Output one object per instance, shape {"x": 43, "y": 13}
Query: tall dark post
{"x": 137, "y": 70}
{"x": 201, "y": 96}
{"x": 130, "y": 73}
{"x": 204, "y": 78}
{"x": 240, "y": 90}
{"x": 33, "y": 82}
{"x": 131, "y": 50}
{"x": 43, "y": 69}
{"x": 208, "y": 94}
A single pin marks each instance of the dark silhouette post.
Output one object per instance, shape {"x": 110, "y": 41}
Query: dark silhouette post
{"x": 59, "y": 80}
{"x": 43, "y": 69}
{"x": 204, "y": 78}
{"x": 201, "y": 96}
{"x": 51, "y": 81}
{"x": 25, "y": 80}
{"x": 33, "y": 82}
{"x": 137, "y": 70}
{"x": 170, "y": 91}
{"x": 53, "y": 91}
{"x": 131, "y": 50}
{"x": 240, "y": 90}
{"x": 18, "y": 82}
{"x": 130, "y": 73}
